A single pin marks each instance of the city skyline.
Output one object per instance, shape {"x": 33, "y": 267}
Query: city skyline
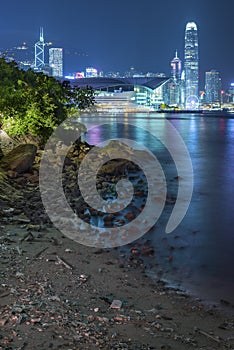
{"x": 120, "y": 35}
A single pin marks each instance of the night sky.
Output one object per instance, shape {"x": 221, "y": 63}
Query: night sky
{"x": 115, "y": 35}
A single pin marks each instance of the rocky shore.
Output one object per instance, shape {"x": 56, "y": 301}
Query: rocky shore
{"x": 58, "y": 294}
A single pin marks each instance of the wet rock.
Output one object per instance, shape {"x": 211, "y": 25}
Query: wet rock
{"x": 108, "y": 218}
{"x": 135, "y": 251}
{"x": 116, "y": 304}
{"x": 147, "y": 251}
{"x": 130, "y": 216}
{"x": 20, "y": 159}
{"x": 6, "y": 143}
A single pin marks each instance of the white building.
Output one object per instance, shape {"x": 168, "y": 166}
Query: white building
{"x": 213, "y": 87}
{"x": 56, "y": 61}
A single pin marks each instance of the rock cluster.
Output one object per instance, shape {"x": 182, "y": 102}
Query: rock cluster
{"x": 20, "y": 178}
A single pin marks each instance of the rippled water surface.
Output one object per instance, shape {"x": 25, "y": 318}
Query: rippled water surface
{"x": 202, "y": 246}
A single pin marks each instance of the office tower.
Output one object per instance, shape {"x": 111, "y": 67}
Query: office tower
{"x": 39, "y": 52}
{"x": 182, "y": 90}
{"x": 212, "y": 87}
{"x": 231, "y": 93}
{"x": 175, "y": 85}
{"x": 176, "y": 68}
{"x": 56, "y": 61}
{"x": 191, "y": 64}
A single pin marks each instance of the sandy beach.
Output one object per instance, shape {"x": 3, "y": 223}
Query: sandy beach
{"x": 57, "y": 294}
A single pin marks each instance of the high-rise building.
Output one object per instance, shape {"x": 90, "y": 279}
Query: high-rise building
{"x": 191, "y": 65}
{"x": 212, "y": 87}
{"x": 231, "y": 93}
{"x": 175, "y": 85}
{"x": 176, "y": 68}
{"x": 40, "y": 52}
{"x": 56, "y": 61}
{"x": 182, "y": 89}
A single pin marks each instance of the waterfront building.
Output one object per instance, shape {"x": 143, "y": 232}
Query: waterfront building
{"x": 79, "y": 75}
{"x": 154, "y": 75}
{"x": 212, "y": 87}
{"x": 91, "y": 72}
{"x": 125, "y": 93}
{"x": 56, "y": 61}
{"x": 113, "y": 75}
{"x": 39, "y": 52}
{"x": 191, "y": 66}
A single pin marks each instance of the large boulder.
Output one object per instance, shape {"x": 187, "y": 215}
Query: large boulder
{"x": 6, "y": 142}
{"x": 20, "y": 159}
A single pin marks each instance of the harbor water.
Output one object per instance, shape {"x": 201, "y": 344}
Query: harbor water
{"x": 202, "y": 246}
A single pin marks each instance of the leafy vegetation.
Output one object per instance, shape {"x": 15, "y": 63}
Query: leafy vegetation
{"x": 33, "y": 104}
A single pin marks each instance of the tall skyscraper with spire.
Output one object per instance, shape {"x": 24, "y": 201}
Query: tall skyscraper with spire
{"x": 191, "y": 66}
{"x": 176, "y": 68}
{"x": 40, "y": 52}
{"x": 175, "y": 86}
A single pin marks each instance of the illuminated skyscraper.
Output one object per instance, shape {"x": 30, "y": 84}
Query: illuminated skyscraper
{"x": 39, "y": 52}
{"x": 231, "y": 93}
{"x": 213, "y": 87}
{"x": 56, "y": 61}
{"x": 176, "y": 68}
{"x": 191, "y": 64}
{"x": 175, "y": 85}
